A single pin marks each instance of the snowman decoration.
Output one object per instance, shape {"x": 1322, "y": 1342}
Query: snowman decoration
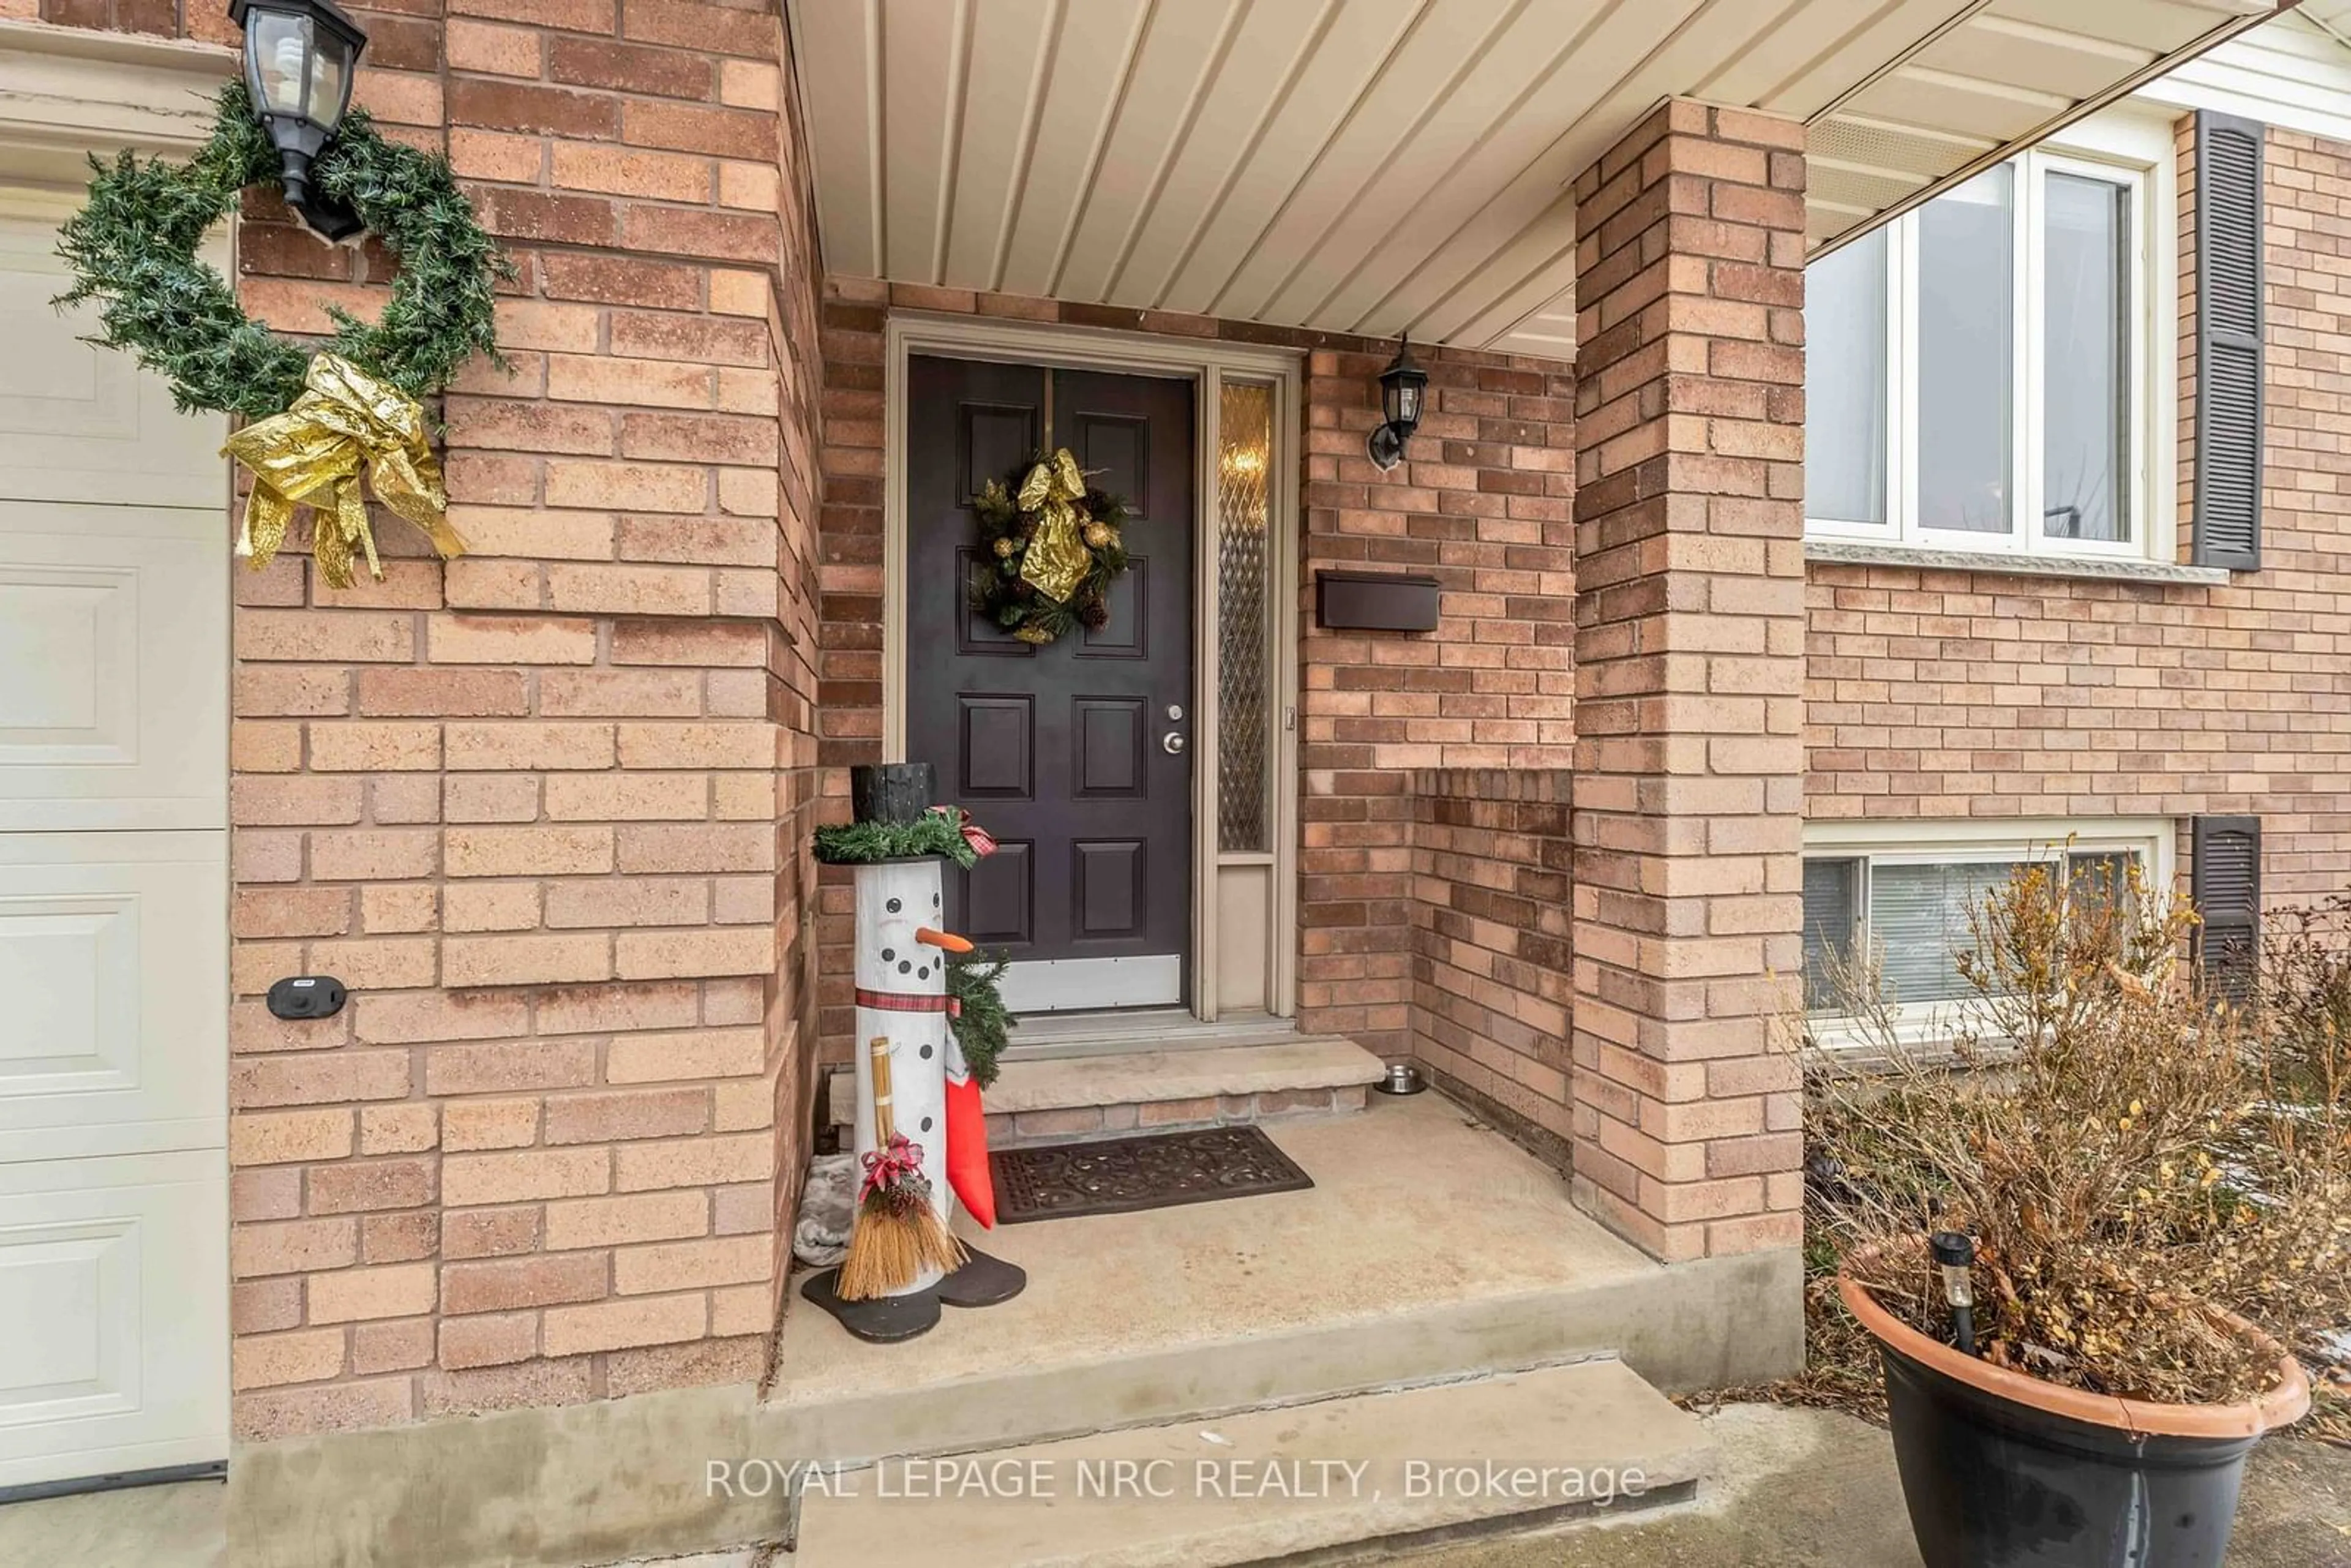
{"x": 920, "y": 1132}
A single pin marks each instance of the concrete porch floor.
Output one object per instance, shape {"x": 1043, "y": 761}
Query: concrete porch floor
{"x": 1429, "y": 1248}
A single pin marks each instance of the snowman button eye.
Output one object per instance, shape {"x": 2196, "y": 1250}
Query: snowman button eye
{"x": 934, "y": 901}
{"x": 888, "y": 953}
{"x": 906, "y": 965}
{"x": 927, "y": 1054}
{"x": 924, "y": 973}
{"x": 893, "y": 906}
{"x": 927, "y": 1124}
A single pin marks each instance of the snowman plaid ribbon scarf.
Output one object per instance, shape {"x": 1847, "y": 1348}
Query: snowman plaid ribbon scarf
{"x": 910, "y": 1002}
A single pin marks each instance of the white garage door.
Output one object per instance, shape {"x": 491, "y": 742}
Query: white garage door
{"x": 113, "y": 898}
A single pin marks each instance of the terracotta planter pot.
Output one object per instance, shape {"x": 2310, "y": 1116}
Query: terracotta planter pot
{"x": 2001, "y": 1470}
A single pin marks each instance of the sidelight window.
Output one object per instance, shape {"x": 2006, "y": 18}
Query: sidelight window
{"x": 1245, "y": 741}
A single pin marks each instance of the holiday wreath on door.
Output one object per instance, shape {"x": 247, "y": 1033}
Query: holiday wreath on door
{"x": 1055, "y": 547}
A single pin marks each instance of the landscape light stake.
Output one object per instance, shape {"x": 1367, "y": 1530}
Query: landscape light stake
{"x": 1956, "y": 1254}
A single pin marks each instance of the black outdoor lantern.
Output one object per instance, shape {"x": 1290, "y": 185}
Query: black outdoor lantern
{"x": 300, "y": 59}
{"x": 1401, "y": 386}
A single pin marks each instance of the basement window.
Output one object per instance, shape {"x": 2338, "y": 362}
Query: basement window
{"x": 1988, "y": 374}
{"x": 1900, "y": 896}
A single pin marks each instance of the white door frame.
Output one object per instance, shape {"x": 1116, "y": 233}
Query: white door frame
{"x": 1204, "y": 362}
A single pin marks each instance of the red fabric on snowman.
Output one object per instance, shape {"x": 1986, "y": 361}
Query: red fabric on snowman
{"x": 966, "y": 1157}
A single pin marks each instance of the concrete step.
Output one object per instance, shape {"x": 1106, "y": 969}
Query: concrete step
{"x": 1055, "y": 1099}
{"x": 1428, "y": 1250}
{"x": 1386, "y": 1470}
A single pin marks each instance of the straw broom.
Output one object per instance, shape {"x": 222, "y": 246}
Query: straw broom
{"x": 897, "y": 1234}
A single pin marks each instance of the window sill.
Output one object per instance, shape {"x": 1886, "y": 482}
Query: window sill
{"x": 1860, "y": 552}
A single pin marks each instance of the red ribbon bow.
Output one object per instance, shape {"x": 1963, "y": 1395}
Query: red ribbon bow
{"x": 886, "y": 1167}
{"x": 973, "y": 833}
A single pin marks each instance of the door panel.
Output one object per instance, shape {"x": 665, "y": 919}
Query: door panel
{"x": 1110, "y": 759}
{"x": 996, "y": 896}
{"x": 114, "y": 959}
{"x": 997, "y": 747}
{"x": 1060, "y": 751}
{"x": 78, "y": 421}
{"x": 113, "y": 667}
{"x": 113, "y": 1289}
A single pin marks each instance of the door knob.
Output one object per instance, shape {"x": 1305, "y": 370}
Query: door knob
{"x": 1172, "y": 743}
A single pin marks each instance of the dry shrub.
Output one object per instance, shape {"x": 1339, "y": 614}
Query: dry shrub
{"x": 2125, "y": 1150}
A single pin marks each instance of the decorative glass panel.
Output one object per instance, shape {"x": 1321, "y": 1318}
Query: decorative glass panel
{"x": 1967, "y": 267}
{"x": 1244, "y": 711}
{"x": 1844, "y": 384}
{"x": 2086, "y": 251}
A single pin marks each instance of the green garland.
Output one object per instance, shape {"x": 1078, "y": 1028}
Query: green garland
{"x": 862, "y": 843}
{"x": 999, "y": 592}
{"x": 982, "y": 1025}
{"x": 133, "y": 250}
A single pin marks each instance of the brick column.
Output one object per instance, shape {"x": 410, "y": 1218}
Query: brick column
{"x": 1689, "y": 679}
{"x": 546, "y": 809}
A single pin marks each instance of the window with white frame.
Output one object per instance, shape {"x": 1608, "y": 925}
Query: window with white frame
{"x": 1980, "y": 373}
{"x": 1900, "y": 896}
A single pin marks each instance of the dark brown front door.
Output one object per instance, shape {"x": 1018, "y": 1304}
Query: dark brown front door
{"x": 1077, "y": 755}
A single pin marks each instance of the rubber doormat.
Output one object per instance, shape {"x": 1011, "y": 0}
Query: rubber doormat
{"x": 1149, "y": 1170}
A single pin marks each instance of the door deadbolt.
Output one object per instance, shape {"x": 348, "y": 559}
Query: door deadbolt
{"x": 1175, "y": 711}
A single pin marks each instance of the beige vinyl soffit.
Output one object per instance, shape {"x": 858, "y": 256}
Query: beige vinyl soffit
{"x": 1378, "y": 166}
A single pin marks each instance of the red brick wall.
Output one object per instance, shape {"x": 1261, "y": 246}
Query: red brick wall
{"x": 172, "y": 18}
{"x": 1986, "y": 694}
{"x": 1493, "y": 865}
{"x": 546, "y": 809}
{"x": 1689, "y": 673}
{"x": 1482, "y": 503}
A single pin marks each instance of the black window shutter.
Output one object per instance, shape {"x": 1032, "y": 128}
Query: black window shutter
{"x": 2227, "y": 520}
{"x": 2226, "y": 883}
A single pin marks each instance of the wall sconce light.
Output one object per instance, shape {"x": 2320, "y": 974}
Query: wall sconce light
{"x": 1402, "y": 385}
{"x": 300, "y": 59}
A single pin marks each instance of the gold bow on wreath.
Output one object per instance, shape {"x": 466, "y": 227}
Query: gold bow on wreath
{"x": 345, "y": 420}
{"x": 1055, "y": 559}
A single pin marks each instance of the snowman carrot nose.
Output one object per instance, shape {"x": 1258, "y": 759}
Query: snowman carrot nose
{"x": 946, "y": 941}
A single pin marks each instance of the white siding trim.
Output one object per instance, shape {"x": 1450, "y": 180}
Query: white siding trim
{"x": 2287, "y": 72}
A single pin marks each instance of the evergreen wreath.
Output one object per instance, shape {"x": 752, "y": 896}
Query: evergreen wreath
{"x": 1055, "y": 548}
{"x": 981, "y": 1022}
{"x": 133, "y": 249}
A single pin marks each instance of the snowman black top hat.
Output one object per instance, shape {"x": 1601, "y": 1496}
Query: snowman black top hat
{"x": 894, "y": 792}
